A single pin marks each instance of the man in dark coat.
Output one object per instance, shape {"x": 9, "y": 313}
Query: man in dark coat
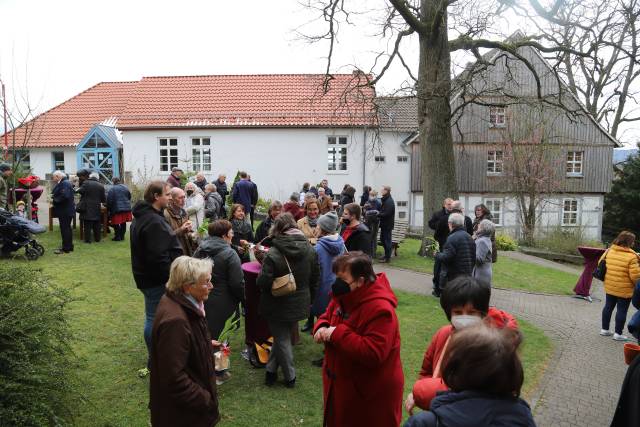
{"x": 254, "y": 198}
{"x": 355, "y": 234}
{"x": 221, "y": 186}
{"x": 118, "y": 202}
{"x": 174, "y": 178}
{"x": 92, "y": 196}
{"x": 64, "y": 208}
{"x": 325, "y": 184}
{"x": 438, "y": 222}
{"x": 387, "y": 217}
{"x": 201, "y": 181}
{"x": 243, "y": 192}
{"x": 154, "y": 246}
{"x": 628, "y": 409}
{"x": 456, "y": 206}
{"x": 459, "y": 254}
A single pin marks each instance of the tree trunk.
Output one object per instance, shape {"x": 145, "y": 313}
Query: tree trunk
{"x": 434, "y": 117}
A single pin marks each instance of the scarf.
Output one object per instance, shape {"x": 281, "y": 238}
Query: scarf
{"x": 313, "y": 222}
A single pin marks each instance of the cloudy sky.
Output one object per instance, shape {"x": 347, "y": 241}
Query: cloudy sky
{"x": 52, "y": 50}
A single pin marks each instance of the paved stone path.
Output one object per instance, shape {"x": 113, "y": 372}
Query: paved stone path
{"x": 569, "y": 268}
{"x": 582, "y": 383}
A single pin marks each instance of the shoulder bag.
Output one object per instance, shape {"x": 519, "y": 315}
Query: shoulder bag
{"x": 601, "y": 269}
{"x": 284, "y": 285}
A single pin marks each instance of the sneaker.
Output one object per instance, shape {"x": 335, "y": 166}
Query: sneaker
{"x": 619, "y": 337}
{"x": 605, "y": 332}
{"x": 245, "y": 354}
{"x": 290, "y": 384}
{"x": 223, "y": 377}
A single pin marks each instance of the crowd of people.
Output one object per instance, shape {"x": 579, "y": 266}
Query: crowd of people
{"x": 316, "y": 264}
{"x": 316, "y": 253}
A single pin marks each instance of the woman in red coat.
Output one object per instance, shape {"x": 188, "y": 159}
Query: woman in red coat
{"x": 362, "y": 373}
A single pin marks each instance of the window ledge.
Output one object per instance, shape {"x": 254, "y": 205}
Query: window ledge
{"x": 492, "y": 126}
{"x": 570, "y": 225}
{"x": 495, "y": 173}
{"x": 338, "y": 172}
{"x": 574, "y": 175}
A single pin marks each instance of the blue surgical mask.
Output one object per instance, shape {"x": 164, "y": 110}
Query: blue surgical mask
{"x": 464, "y": 321}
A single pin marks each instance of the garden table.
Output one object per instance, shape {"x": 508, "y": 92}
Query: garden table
{"x": 256, "y": 328}
{"x": 591, "y": 258}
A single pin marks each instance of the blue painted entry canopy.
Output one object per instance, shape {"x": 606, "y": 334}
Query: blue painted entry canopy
{"x": 100, "y": 151}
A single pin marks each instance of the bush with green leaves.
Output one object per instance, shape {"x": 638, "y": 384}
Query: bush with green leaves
{"x": 35, "y": 355}
{"x": 504, "y": 242}
{"x": 565, "y": 240}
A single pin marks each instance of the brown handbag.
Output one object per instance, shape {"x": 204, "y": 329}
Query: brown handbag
{"x": 284, "y": 285}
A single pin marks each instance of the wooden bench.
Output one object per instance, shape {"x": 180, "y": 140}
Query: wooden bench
{"x": 398, "y": 234}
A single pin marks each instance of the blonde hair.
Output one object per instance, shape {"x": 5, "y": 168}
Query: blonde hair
{"x": 187, "y": 271}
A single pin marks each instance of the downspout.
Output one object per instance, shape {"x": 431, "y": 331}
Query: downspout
{"x": 364, "y": 157}
{"x": 409, "y": 151}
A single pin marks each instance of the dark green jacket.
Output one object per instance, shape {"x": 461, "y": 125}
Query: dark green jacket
{"x": 304, "y": 265}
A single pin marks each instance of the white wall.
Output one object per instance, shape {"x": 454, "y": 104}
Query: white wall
{"x": 279, "y": 160}
{"x": 589, "y": 213}
{"x": 42, "y": 160}
{"x": 391, "y": 172}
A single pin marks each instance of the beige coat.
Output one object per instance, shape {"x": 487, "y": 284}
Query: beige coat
{"x": 311, "y": 233}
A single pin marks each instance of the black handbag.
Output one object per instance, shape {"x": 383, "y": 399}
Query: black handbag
{"x": 601, "y": 269}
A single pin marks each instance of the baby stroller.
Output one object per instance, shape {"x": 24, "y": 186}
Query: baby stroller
{"x": 15, "y": 233}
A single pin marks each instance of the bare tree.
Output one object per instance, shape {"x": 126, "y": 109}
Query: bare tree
{"x": 532, "y": 160}
{"x": 606, "y": 81}
{"x": 474, "y": 25}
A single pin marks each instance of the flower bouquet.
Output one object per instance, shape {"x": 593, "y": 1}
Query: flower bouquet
{"x": 221, "y": 357}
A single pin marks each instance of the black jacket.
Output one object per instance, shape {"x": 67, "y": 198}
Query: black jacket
{"x": 359, "y": 239}
{"x": 387, "y": 213}
{"x": 438, "y": 223}
{"x": 241, "y": 231}
{"x": 91, "y": 196}
{"x": 221, "y": 188}
{"x": 154, "y": 246}
{"x": 227, "y": 279}
{"x": 459, "y": 254}
{"x": 473, "y": 409}
{"x": 63, "y": 200}
{"x": 303, "y": 261}
{"x": 628, "y": 410}
{"x": 118, "y": 199}
{"x": 263, "y": 230}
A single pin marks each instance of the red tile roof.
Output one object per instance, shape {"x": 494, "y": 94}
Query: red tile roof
{"x": 278, "y": 100}
{"x": 66, "y": 124}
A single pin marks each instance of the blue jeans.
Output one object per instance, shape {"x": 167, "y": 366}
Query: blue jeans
{"x": 621, "y": 312}
{"x": 151, "y": 300}
{"x": 385, "y": 239}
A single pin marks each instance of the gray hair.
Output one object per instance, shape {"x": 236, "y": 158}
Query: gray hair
{"x": 187, "y": 271}
{"x": 456, "y": 205}
{"x": 211, "y": 188}
{"x": 456, "y": 220}
{"x": 59, "y": 173}
{"x": 486, "y": 226}
{"x": 94, "y": 175}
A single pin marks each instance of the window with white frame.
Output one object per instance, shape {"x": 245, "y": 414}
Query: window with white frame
{"x": 379, "y": 159}
{"x": 574, "y": 163}
{"x": 402, "y": 204}
{"x": 337, "y": 153}
{"x": 168, "y": 154}
{"x": 403, "y": 159}
{"x": 495, "y": 207}
{"x": 58, "y": 160}
{"x": 497, "y": 116}
{"x": 201, "y": 154}
{"x": 569, "y": 212}
{"x": 23, "y": 157}
{"x": 494, "y": 162}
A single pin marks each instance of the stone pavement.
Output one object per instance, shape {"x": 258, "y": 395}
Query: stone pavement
{"x": 569, "y": 268}
{"x": 582, "y": 382}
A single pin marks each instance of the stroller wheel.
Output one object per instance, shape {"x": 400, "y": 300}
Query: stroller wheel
{"x": 38, "y": 247}
{"x": 31, "y": 253}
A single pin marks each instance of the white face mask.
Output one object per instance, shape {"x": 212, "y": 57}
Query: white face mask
{"x": 464, "y": 320}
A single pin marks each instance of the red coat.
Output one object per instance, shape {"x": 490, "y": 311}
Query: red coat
{"x": 425, "y": 388}
{"x": 362, "y": 372}
{"x": 294, "y": 209}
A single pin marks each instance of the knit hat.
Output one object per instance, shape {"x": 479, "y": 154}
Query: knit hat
{"x": 5, "y": 167}
{"x": 328, "y": 222}
{"x": 295, "y": 197}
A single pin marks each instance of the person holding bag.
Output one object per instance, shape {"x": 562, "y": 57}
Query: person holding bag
{"x": 621, "y": 273}
{"x": 288, "y": 282}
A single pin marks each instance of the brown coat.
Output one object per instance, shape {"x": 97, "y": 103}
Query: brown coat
{"x": 182, "y": 389}
{"x": 175, "y": 220}
{"x": 325, "y": 204}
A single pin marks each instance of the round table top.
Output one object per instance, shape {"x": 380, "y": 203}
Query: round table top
{"x": 252, "y": 267}
{"x": 587, "y": 251}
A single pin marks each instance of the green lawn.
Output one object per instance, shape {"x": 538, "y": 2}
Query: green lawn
{"x": 107, "y": 320}
{"x": 507, "y": 272}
